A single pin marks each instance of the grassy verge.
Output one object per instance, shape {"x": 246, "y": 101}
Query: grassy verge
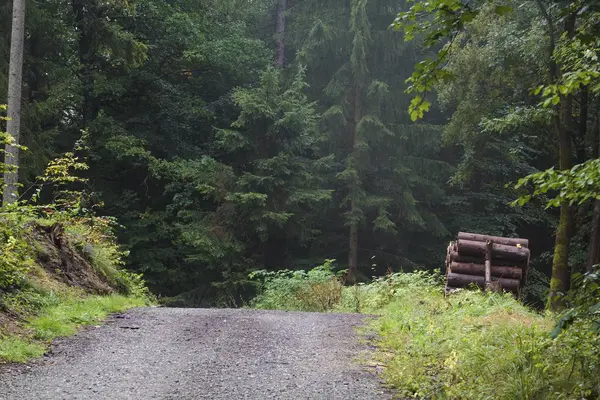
{"x": 53, "y": 281}
{"x": 471, "y": 345}
{"x": 63, "y": 318}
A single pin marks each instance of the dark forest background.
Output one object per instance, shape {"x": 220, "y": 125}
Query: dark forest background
{"x": 227, "y": 136}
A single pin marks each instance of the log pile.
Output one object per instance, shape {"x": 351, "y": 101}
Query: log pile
{"x": 490, "y": 262}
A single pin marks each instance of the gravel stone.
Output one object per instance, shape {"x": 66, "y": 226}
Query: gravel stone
{"x": 169, "y": 353}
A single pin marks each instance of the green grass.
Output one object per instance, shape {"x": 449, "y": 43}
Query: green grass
{"x": 63, "y": 318}
{"x": 18, "y": 349}
{"x": 475, "y": 345}
{"x": 67, "y": 317}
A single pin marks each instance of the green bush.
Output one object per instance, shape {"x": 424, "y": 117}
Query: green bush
{"x": 15, "y": 254}
{"x": 99, "y": 246}
{"x": 319, "y": 289}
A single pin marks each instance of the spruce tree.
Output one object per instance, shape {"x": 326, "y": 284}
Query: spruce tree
{"x": 273, "y": 145}
{"x": 380, "y": 173}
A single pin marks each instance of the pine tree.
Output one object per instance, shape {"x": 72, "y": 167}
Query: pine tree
{"x": 273, "y": 143}
{"x": 378, "y": 176}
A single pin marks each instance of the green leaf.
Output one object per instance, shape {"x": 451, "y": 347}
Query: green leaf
{"x": 503, "y": 10}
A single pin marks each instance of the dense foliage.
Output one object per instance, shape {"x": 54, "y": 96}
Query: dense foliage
{"x": 224, "y": 142}
{"x": 217, "y": 161}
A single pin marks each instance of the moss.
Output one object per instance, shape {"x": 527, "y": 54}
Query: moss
{"x": 559, "y": 283}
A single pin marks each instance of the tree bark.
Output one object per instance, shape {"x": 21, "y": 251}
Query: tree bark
{"x": 582, "y": 127}
{"x": 499, "y": 251}
{"x": 561, "y": 276}
{"x": 594, "y": 244}
{"x": 479, "y": 270}
{"x": 15, "y": 80}
{"x": 495, "y": 239}
{"x": 86, "y": 52}
{"x": 353, "y": 254}
{"x": 280, "y": 32}
{"x": 454, "y": 256}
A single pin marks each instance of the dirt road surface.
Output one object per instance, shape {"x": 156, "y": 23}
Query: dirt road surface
{"x": 168, "y": 353}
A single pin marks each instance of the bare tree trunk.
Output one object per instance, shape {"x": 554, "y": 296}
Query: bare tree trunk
{"x": 86, "y": 52}
{"x": 594, "y": 245}
{"x": 561, "y": 274}
{"x": 564, "y": 125}
{"x": 15, "y": 79}
{"x": 580, "y": 138}
{"x": 353, "y": 254}
{"x": 280, "y": 32}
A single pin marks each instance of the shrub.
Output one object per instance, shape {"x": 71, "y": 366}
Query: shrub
{"x": 319, "y": 289}
{"x": 15, "y": 254}
{"x": 96, "y": 242}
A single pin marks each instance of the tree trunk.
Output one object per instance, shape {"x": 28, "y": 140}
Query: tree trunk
{"x": 280, "y": 32}
{"x": 354, "y": 211}
{"x": 15, "y": 79}
{"x": 580, "y": 144}
{"x": 353, "y": 254}
{"x": 559, "y": 283}
{"x": 496, "y": 239}
{"x": 86, "y": 53}
{"x": 594, "y": 245}
{"x": 479, "y": 270}
{"x": 499, "y": 251}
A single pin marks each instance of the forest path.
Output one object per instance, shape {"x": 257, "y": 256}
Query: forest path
{"x": 168, "y": 353}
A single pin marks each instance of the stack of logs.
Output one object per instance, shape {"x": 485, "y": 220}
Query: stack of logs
{"x": 490, "y": 262}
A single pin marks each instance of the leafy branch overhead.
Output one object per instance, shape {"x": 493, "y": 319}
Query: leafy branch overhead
{"x": 575, "y": 186}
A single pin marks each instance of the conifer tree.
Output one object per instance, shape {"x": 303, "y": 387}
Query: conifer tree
{"x": 273, "y": 143}
{"x": 371, "y": 140}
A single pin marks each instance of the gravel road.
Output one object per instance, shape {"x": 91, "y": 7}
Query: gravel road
{"x": 167, "y": 353}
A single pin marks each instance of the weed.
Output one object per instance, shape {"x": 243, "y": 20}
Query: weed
{"x": 475, "y": 345}
{"x": 18, "y": 349}
{"x": 319, "y": 289}
{"x": 66, "y": 317}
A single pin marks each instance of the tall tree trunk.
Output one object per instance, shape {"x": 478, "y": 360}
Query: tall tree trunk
{"x": 354, "y": 211}
{"x": 86, "y": 51}
{"x": 594, "y": 245}
{"x": 15, "y": 79}
{"x": 559, "y": 283}
{"x": 580, "y": 142}
{"x": 280, "y": 32}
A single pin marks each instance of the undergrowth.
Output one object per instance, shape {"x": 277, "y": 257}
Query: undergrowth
{"x": 470, "y": 345}
{"x": 319, "y": 289}
{"x": 47, "y": 288}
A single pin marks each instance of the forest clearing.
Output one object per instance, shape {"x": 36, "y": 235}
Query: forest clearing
{"x": 310, "y": 156}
